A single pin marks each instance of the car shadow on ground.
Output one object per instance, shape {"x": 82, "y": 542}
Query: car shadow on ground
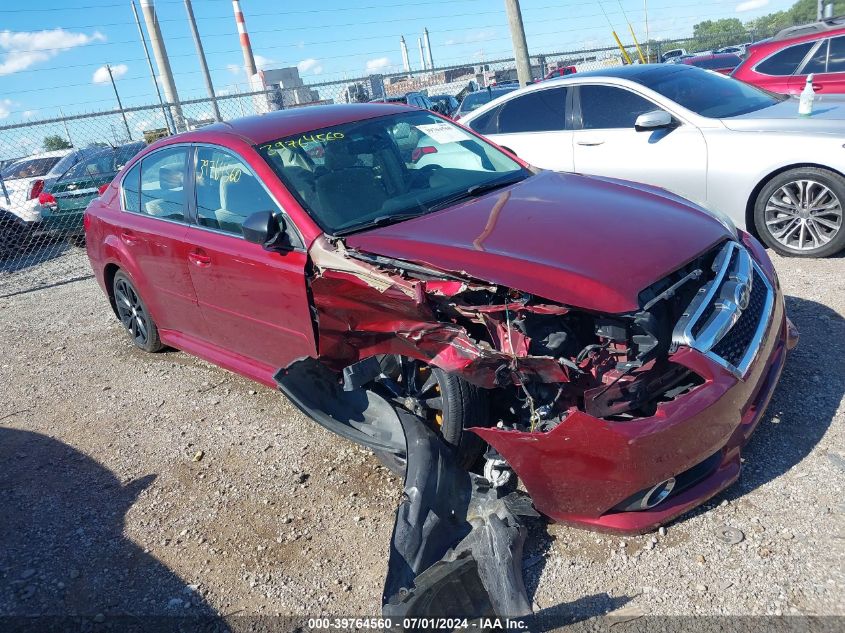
{"x": 65, "y": 562}
{"x": 804, "y": 403}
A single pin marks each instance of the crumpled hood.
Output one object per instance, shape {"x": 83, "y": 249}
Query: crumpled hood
{"x": 583, "y": 241}
{"x": 828, "y": 117}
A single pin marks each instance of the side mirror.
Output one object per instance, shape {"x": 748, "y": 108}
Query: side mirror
{"x": 264, "y": 228}
{"x": 654, "y": 120}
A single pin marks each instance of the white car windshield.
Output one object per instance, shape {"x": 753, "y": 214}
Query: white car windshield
{"x": 706, "y": 93}
{"x": 383, "y": 170}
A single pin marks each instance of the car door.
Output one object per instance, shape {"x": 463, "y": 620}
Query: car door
{"x": 152, "y": 229}
{"x": 534, "y": 125}
{"x": 254, "y": 301}
{"x": 826, "y": 63}
{"x": 606, "y": 143}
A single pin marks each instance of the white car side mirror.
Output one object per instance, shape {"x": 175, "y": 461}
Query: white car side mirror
{"x": 654, "y": 120}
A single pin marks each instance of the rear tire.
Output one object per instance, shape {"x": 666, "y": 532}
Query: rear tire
{"x": 11, "y": 240}
{"x": 134, "y": 315}
{"x": 799, "y": 213}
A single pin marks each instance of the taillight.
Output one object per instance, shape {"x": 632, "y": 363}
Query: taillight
{"x": 45, "y": 198}
{"x": 37, "y": 188}
{"x": 102, "y": 189}
{"x": 419, "y": 152}
{"x": 86, "y": 221}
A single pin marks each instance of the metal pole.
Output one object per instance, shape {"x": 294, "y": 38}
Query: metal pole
{"x": 67, "y": 131}
{"x": 167, "y": 122}
{"x": 819, "y": 10}
{"x": 119, "y": 104}
{"x": 249, "y": 60}
{"x": 647, "y": 36}
{"x": 203, "y": 65}
{"x": 520, "y": 46}
{"x": 163, "y": 63}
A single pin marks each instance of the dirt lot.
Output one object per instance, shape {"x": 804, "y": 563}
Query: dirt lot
{"x": 163, "y": 485}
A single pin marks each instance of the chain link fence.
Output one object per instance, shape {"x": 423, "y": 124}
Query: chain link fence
{"x": 51, "y": 169}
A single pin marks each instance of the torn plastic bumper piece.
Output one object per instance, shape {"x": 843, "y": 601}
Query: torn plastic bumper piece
{"x": 456, "y": 550}
{"x": 358, "y": 415}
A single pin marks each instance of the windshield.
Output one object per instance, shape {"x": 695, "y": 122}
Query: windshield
{"x": 30, "y": 168}
{"x": 475, "y": 100}
{"x": 370, "y": 172}
{"x": 706, "y": 93}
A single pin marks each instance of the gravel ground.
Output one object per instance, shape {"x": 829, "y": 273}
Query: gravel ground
{"x": 161, "y": 484}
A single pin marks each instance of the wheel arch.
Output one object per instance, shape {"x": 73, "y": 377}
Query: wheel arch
{"x": 750, "y": 226}
{"x": 109, "y": 272}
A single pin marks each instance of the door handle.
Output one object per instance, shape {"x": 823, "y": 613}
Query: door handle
{"x": 199, "y": 258}
{"x": 128, "y": 237}
{"x": 590, "y": 143}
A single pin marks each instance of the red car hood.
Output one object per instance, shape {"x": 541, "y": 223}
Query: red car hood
{"x": 583, "y": 241}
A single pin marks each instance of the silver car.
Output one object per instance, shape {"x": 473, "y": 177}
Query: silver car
{"x": 727, "y": 146}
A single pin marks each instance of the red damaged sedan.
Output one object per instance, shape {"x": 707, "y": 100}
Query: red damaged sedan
{"x": 611, "y": 343}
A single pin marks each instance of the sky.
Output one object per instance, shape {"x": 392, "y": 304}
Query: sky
{"x": 53, "y": 52}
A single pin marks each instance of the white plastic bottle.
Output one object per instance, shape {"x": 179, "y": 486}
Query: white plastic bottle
{"x": 805, "y": 103}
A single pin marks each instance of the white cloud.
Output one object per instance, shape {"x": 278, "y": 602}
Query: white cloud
{"x": 310, "y": 65}
{"x": 377, "y": 65}
{"x": 101, "y": 75}
{"x": 751, "y": 5}
{"x": 5, "y": 107}
{"x": 261, "y": 63}
{"x": 23, "y": 49}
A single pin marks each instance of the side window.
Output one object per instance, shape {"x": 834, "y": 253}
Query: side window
{"x": 836, "y": 57}
{"x": 818, "y": 62}
{"x": 538, "y": 111}
{"x": 227, "y": 192}
{"x": 163, "y": 184}
{"x": 131, "y": 189}
{"x": 786, "y": 61}
{"x": 487, "y": 123}
{"x": 605, "y": 107}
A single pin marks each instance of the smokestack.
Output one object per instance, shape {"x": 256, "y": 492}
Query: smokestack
{"x": 249, "y": 60}
{"x": 422, "y": 56}
{"x": 428, "y": 48}
{"x": 405, "y": 60}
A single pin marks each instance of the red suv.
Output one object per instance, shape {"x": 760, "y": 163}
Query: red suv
{"x": 782, "y": 63}
{"x": 376, "y": 260}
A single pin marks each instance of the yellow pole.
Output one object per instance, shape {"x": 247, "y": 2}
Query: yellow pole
{"x": 637, "y": 44}
{"x": 622, "y": 48}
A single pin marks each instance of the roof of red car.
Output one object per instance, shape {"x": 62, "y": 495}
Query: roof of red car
{"x": 282, "y": 123}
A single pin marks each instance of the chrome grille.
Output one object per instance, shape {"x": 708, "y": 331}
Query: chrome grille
{"x": 728, "y": 316}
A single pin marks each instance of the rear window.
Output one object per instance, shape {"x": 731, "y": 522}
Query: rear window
{"x": 786, "y": 61}
{"x": 30, "y": 168}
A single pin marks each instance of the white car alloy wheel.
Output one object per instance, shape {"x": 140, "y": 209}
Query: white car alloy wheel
{"x": 803, "y": 215}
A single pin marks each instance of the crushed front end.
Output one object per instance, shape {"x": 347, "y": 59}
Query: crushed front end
{"x": 616, "y": 422}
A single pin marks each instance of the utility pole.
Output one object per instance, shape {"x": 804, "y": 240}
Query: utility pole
{"x": 249, "y": 60}
{"x": 819, "y": 10}
{"x": 163, "y": 63}
{"x": 167, "y": 119}
{"x": 119, "y": 104}
{"x": 520, "y": 46}
{"x": 203, "y": 65}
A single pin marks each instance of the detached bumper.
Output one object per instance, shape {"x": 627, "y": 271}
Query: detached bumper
{"x": 584, "y": 468}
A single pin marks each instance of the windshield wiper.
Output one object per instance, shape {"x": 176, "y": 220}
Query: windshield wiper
{"x": 382, "y": 220}
{"x": 477, "y": 190}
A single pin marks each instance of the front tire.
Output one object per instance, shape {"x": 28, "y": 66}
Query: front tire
{"x": 134, "y": 315}
{"x": 446, "y": 402}
{"x": 799, "y": 213}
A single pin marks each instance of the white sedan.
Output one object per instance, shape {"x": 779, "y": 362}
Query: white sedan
{"x": 732, "y": 148}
